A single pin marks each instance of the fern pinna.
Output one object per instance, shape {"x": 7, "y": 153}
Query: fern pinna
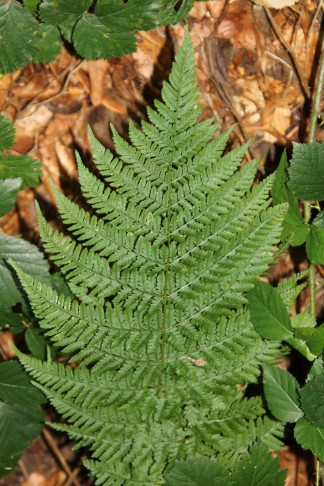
{"x": 159, "y": 326}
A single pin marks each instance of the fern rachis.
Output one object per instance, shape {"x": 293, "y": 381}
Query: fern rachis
{"x": 159, "y": 272}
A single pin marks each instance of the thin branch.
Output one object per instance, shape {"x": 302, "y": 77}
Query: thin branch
{"x": 282, "y": 40}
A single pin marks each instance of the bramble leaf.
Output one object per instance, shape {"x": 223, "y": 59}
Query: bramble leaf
{"x": 310, "y": 437}
{"x": 268, "y": 312}
{"x": 8, "y": 192}
{"x": 281, "y": 391}
{"x": 312, "y": 401}
{"x": 315, "y": 240}
{"x": 306, "y": 171}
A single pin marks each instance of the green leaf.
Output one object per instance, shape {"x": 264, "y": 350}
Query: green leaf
{"x": 31, "y": 5}
{"x": 306, "y": 171}
{"x": 9, "y": 296}
{"x": 7, "y": 131}
{"x": 20, "y": 29}
{"x": 19, "y": 426}
{"x": 281, "y": 391}
{"x": 16, "y": 387}
{"x": 198, "y": 472}
{"x": 30, "y": 258}
{"x": 104, "y": 42}
{"x": 315, "y": 240}
{"x": 268, "y": 312}
{"x": 36, "y": 342}
{"x": 57, "y": 12}
{"x": 310, "y": 437}
{"x": 316, "y": 369}
{"x": 303, "y": 319}
{"x": 313, "y": 337}
{"x": 293, "y": 228}
{"x": 312, "y": 401}
{"x": 8, "y": 193}
{"x": 301, "y": 347}
{"x": 258, "y": 468}
{"x": 13, "y": 166}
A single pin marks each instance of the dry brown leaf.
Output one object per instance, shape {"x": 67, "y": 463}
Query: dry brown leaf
{"x": 275, "y": 3}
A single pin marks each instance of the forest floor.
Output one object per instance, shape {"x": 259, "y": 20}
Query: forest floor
{"x": 256, "y": 68}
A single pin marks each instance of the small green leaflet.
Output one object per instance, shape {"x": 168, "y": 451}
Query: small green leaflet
{"x": 8, "y": 192}
{"x": 306, "y": 171}
{"x": 268, "y": 313}
{"x": 315, "y": 240}
{"x": 310, "y": 437}
{"x": 281, "y": 391}
{"x": 198, "y": 472}
{"x": 21, "y": 419}
{"x": 293, "y": 228}
{"x": 31, "y": 5}
{"x": 258, "y": 468}
{"x": 312, "y": 399}
{"x": 14, "y": 166}
{"x": 15, "y": 385}
{"x": 32, "y": 41}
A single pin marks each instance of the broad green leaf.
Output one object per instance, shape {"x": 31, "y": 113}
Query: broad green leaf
{"x": 20, "y": 29}
{"x": 306, "y": 171}
{"x": 56, "y": 12}
{"x": 9, "y": 297}
{"x": 130, "y": 16}
{"x": 313, "y": 337}
{"x": 7, "y": 138}
{"x": 316, "y": 369}
{"x": 16, "y": 387}
{"x": 198, "y": 472}
{"x": 268, "y": 313}
{"x": 315, "y": 240}
{"x": 310, "y": 437}
{"x": 304, "y": 319}
{"x": 258, "y": 468}
{"x": 293, "y": 228}
{"x": 36, "y": 342}
{"x": 311, "y": 396}
{"x": 8, "y": 193}
{"x": 104, "y": 41}
{"x": 19, "y": 426}
{"x": 27, "y": 256}
{"x": 281, "y": 391}
{"x": 30, "y": 258}
{"x": 31, "y": 5}
{"x": 12, "y": 166}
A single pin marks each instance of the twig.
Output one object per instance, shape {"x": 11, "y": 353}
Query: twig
{"x": 300, "y": 77}
{"x": 57, "y": 453}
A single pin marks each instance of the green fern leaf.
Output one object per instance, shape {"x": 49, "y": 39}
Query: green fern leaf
{"x": 160, "y": 271}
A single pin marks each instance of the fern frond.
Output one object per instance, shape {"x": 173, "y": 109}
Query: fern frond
{"x": 160, "y": 269}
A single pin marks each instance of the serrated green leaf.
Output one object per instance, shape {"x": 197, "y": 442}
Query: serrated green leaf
{"x": 312, "y": 399}
{"x": 316, "y": 369}
{"x": 313, "y": 337}
{"x": 293, "y": 228}
{"x": 36, "y": 342}
{"x": 19, "y": 426}
{"x": 20, "y": 29}
{"x": 258, "y": 468}
{"x": 104, "y": 42}
{"x": 310, "y": 437}
{"x": 28, "y": 256}
{"x": 198, "y": 472}
{"x": 303, "y": 319}
{"x": 16, "y": 387}
{"x": 8, "y": 193}
{"x": 7, "y": 131}
{"x": 56, "y": 12}
{"x": 315, "y": 240}
{"x": 31, "y": 5}
{"x": 13, "y": 166}
{"x": 268, "y": 312}
{"x": 306, "y": 171}
{"x": 281, "y": 391}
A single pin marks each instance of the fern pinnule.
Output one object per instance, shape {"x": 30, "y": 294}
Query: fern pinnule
{"x": 159, "y": 271}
